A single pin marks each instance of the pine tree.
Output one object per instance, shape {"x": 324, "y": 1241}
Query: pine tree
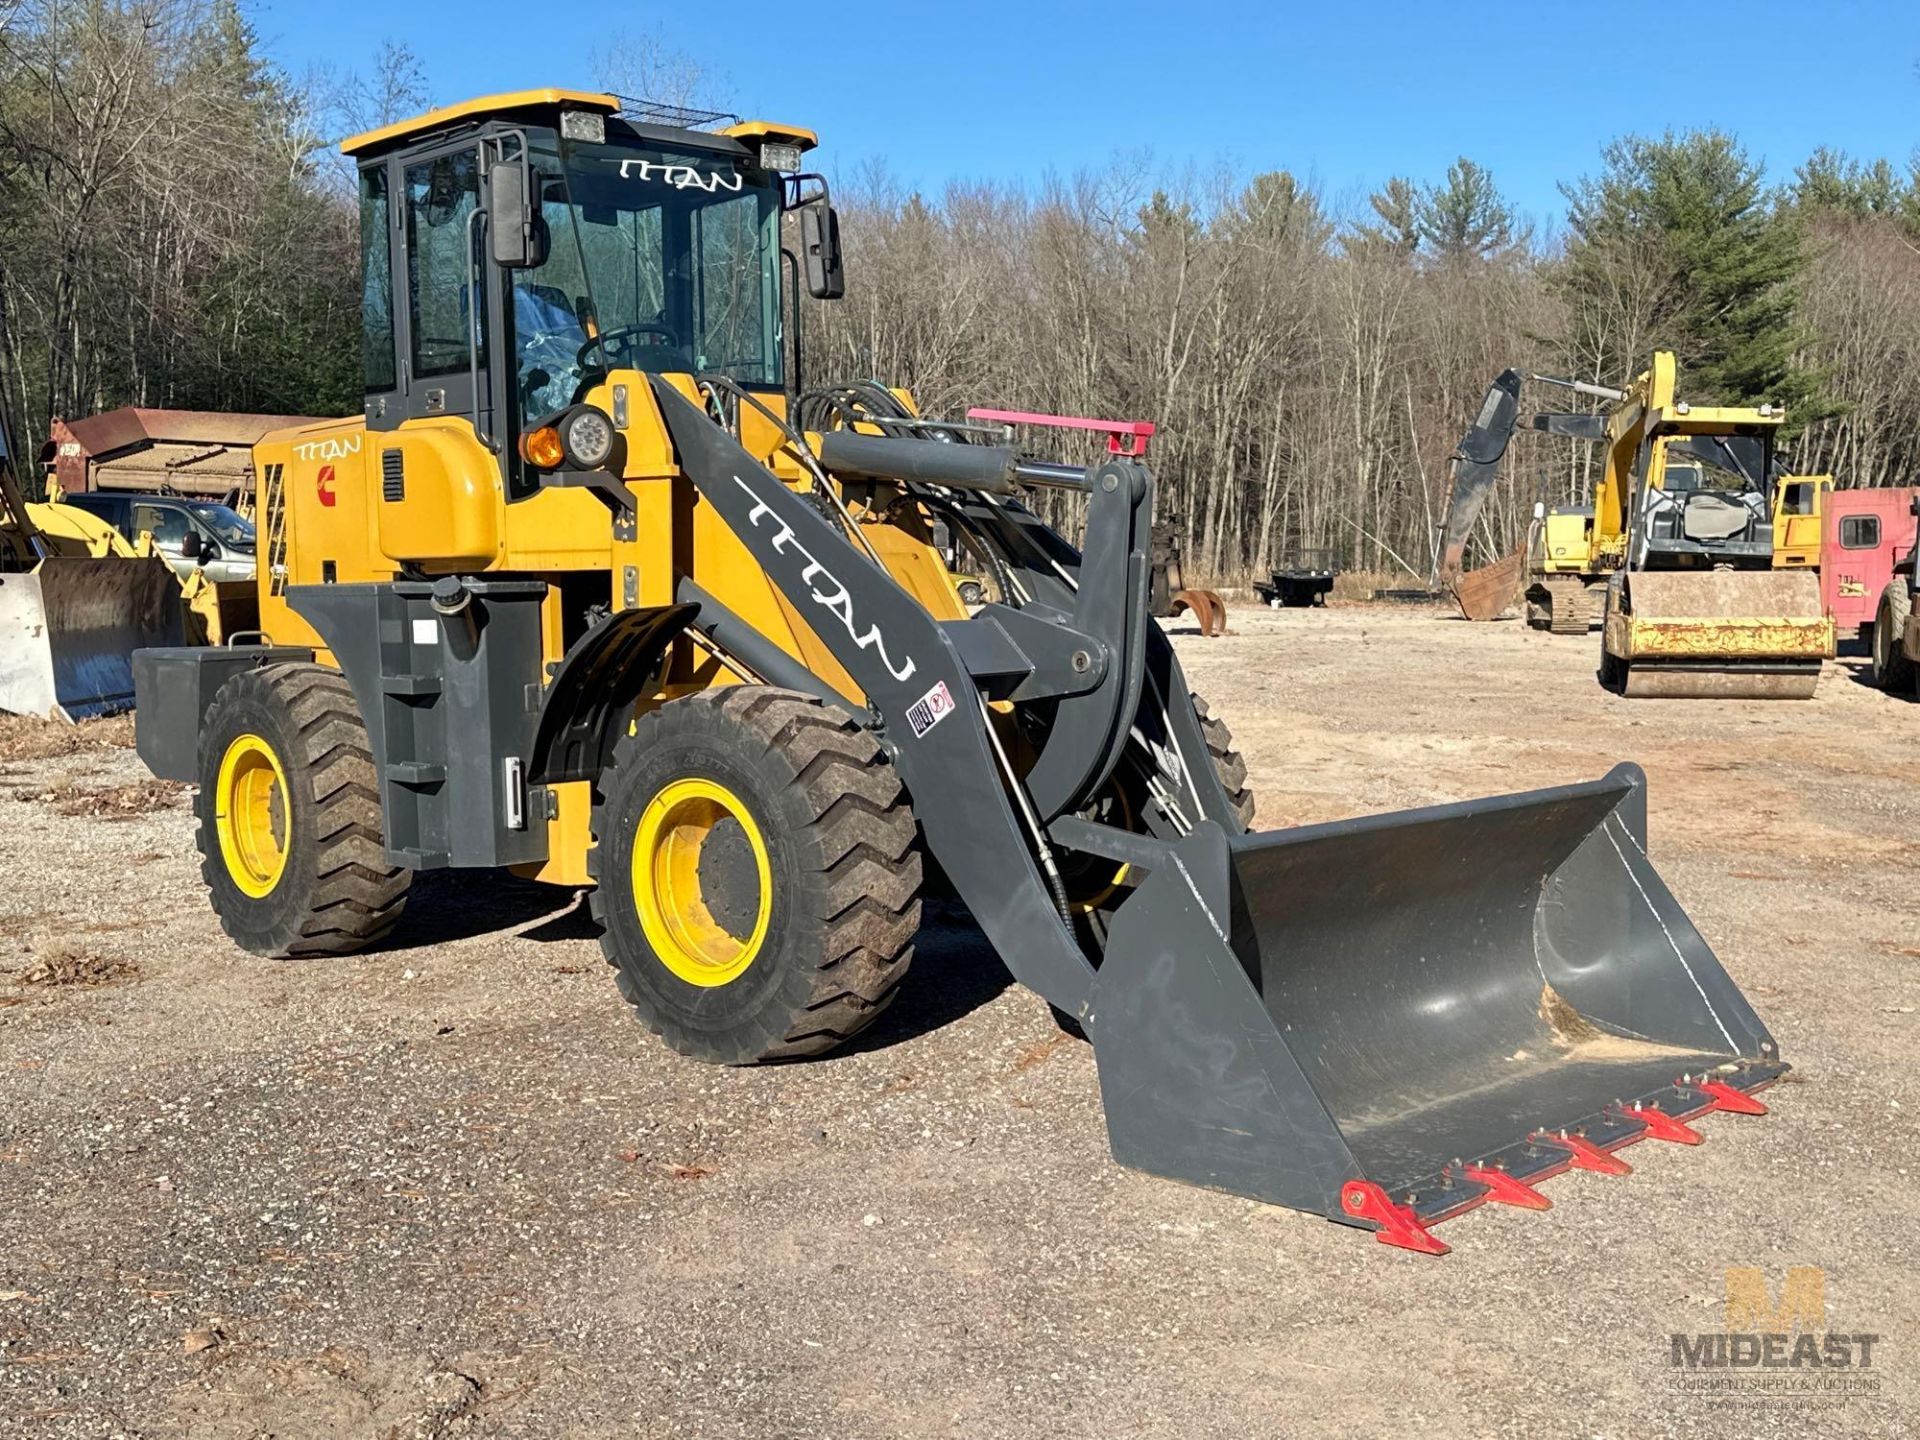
{"x": 1835, "y": 182}
{"x": 1691, "y": 211}
{"x": 1396, "y": 205}
{"x": 1466, "y": 218}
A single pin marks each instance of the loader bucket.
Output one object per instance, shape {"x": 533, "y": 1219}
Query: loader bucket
{"x": 69, "y": 627}
{"x": 1393, "y": 1019}
{"x": 1721, "y": 634}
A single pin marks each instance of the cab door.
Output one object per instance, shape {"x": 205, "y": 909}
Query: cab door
{"x": 446, "y": 328}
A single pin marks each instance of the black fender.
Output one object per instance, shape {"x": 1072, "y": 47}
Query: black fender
{"x": 594, "y": 688}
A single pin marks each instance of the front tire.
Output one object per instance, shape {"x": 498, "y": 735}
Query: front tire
{"x": 290, "y": 835}
{"x": 758, "y": 875}
{"x": 1228, "y": 763}
{"x": 1893, "y": 672}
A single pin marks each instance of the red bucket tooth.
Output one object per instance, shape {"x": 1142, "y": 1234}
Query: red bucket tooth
{"x": 1726, "y": 1097}
{"x": 1398, "y": 1224}
{"x": 1660, "y": 1125}
{"x": 1587, "y": 1155}
{"x": 1503, "y": 1189}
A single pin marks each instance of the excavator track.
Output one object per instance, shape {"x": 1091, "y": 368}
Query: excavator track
{"x": 1569, "y": 607}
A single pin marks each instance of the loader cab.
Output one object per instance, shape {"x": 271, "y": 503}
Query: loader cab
{"x": 519, "y": 248}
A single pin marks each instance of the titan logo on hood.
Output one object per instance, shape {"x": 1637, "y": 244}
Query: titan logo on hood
{"x": 823, "y": 587}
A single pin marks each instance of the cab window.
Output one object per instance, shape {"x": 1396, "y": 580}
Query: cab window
{"x": 1859, "y": 532}
{"x": 442, "y": 279}
{"x": 376, "y": 281}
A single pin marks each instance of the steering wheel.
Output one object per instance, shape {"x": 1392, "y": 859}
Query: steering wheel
{"x": 623, "y": 332}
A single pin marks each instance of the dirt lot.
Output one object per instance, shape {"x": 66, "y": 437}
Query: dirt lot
{"x": 453, "y": 1189}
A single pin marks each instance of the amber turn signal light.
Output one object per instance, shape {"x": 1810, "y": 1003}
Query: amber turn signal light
{"x": 542, "y": 448}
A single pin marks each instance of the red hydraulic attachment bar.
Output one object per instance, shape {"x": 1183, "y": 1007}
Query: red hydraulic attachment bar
{"x": 1136, "y": 433}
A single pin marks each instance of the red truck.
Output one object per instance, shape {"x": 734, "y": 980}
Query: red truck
{"x": 1865, "y": 532}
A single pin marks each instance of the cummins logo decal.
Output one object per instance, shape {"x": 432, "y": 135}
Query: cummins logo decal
{"x": 823, "y": 587}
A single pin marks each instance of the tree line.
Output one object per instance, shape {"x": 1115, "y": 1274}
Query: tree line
{"x": 177, "y": 229}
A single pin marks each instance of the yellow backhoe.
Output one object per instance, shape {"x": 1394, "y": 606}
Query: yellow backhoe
{"x": 599, "y": 588}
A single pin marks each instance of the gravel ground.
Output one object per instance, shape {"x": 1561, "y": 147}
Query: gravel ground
{"x": 451, "y": 1188}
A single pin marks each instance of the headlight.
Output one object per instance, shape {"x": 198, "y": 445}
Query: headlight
{"x": 588, "y": 438}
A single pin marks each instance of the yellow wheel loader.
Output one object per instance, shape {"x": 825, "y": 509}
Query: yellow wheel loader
{"x": 76, "y": 601}
{"x": 599, "y": 588}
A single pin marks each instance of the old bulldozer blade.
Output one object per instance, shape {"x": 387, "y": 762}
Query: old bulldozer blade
{"x": 1393, "y": 1019}
{"x": 69, "y": 627}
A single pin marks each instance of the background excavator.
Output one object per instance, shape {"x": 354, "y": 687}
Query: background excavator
{"x": 1555, "y": 565}
{"x": 599, "y": 588}
{"x": 1693, "y": 544}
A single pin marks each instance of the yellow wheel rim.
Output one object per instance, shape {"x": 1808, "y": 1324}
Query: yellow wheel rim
{"x": 704, "y": 934}
{"x": 252, "y": 815}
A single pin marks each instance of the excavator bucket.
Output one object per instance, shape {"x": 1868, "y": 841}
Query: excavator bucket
{"x": 1486, "y": 593}
{"x": 69, "y": 627}
{"x": 1394, "y": 1019}
{"x": 1719, "y": 634}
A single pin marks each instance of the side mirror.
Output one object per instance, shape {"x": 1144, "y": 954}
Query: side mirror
{"x": 516, "y": 232}
{"x": 190, "y": 547}
{"x": 820, "y": 252}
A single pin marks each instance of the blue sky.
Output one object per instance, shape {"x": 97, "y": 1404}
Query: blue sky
{"x": 1344, "y": 95}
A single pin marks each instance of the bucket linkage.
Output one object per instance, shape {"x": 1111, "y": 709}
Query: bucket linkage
{"x": 1387, "y": 1020}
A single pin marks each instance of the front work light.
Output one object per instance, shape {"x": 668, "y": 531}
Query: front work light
{"x": 779, "y": 155}
{"x": 587, "y": 436}
{"x": 584, "y": 125}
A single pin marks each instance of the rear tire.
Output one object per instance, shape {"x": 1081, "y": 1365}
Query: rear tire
{"x": 791, "y": 922}
{"x": 290, "y": 823}
{"x": 1893, "y": 672}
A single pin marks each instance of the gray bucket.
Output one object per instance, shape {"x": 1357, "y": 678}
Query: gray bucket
{"x": 1395, "y": 998}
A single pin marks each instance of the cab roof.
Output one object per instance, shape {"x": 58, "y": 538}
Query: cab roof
{"x": 401, "y": 131}
{"x": 512, "y": 102}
